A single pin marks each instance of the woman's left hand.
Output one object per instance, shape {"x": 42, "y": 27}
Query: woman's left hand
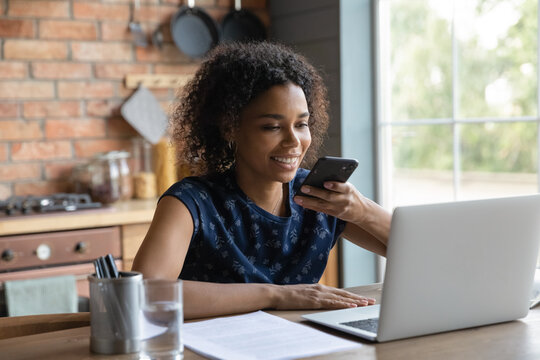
{"x": 341, "y": 200}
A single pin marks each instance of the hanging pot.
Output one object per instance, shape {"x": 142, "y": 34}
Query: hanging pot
{"x": 193, "y": 31}
{"x": 242, "y": 25}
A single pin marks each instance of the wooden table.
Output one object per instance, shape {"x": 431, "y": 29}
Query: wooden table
{"x": 512, "y": 340}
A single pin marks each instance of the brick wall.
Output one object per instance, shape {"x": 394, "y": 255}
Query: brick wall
{"x": 62, "y": 65}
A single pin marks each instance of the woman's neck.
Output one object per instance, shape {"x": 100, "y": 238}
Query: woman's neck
{"x": 267, "y": 195}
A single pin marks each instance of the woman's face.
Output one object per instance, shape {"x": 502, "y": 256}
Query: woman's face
{"x": 273, "y": 135}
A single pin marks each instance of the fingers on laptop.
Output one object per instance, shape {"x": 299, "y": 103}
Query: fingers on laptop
{"x": 337, "y": 298}
{"x": 354, "y": 299}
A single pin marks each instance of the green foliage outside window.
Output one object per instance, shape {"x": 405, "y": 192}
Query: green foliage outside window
{"x": 498, "y": 80}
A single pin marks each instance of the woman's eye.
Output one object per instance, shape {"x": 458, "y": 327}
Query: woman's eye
{"x": 303, "y": 124}
{"x": 270, "y": 127}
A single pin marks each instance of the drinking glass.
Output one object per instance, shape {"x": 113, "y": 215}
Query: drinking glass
{"x": 162, "y": 320}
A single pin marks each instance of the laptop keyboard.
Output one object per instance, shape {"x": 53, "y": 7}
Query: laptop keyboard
{"x": 367, "y": 324}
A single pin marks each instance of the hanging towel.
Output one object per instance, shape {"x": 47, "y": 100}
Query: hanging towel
{"x": 41, "y": 296}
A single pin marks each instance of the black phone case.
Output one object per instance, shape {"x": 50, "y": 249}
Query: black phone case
{"x": 329, "y": 168}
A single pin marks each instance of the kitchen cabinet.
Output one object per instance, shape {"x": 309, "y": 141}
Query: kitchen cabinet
{"x": 130, "y": 219}
{"x": 52, "y": 244}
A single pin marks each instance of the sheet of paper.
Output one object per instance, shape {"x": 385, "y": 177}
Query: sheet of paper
{"x": 259, "y": 336}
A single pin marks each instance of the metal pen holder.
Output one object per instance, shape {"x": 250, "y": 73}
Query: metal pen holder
{"x": 115, "y": 305}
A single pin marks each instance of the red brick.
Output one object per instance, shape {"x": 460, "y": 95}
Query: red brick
{"x": 13, "y": 70}
{"x": 40, "y": 150}
{"x": 33, "y": 49}
{"x": 41, "y": 187}
{"x": 101, "y": 51}
{"x": 5, "y": 189}
{"x": 26, "y": 90}
{"x": 85, "y": 90}
{"x": 87, "y": 148}
{"x": 59, "y": 170}
{"x": 10, "y": 172}
{"x": 168, "y": 54}
{"x": 16, "y": 28}
{"x": 118, "y": 127}
{"x": 115, "y": 31}
{"x": 20, "y": 130}
{"x": 154, "y": 13}
{"x": 9, "y": 110}
{"x": 68, "y": 30}
{"x": 178, "y": 2}
{"x": 61, "y": 70}
{"x": 180, "y": 69}
{"x": 119, "y": 71}
{"x": 3, "y": 152}
{"x": 76, "y": 128}
{"x": 85, "y": 10}
{"x": 32, "y": 8}
{"x": 40, "y": 109}
{"x": 102, "y": 108}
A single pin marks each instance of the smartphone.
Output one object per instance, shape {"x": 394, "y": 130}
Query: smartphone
{"x": 329, "y": 168}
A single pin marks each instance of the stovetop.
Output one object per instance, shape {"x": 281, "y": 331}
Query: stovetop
{"x": 24, "y": 205}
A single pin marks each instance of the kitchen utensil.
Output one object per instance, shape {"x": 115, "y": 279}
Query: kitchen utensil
{"x": 144, "y": 113}
{"x": 157, "y": 35}
{"x": 242, "y": 25}
{"x": 112, "y": 266}
{"x": 157, "y": 38}
{"x": 139, "y": 37}
{"x": 193, "y": 31}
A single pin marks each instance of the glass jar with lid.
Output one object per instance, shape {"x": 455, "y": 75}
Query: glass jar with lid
{"x": 105, "y": 180}
{"x": 126, "y": 180}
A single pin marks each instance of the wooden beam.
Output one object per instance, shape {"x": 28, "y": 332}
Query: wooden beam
{"x": 156, "y": 81}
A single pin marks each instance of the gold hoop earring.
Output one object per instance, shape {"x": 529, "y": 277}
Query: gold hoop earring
{"x": 232, "y": 147}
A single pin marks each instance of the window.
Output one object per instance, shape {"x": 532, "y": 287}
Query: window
{"x": 457, "y": 99}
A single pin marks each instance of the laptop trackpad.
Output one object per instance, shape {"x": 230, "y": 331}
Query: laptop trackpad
{"x": 345, "y": 315}
{"x": 370, "y": 325}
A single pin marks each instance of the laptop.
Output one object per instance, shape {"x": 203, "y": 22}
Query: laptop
{"x": 450, "y": 266}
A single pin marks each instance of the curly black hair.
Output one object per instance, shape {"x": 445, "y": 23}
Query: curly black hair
{"x": 232, "y": 75}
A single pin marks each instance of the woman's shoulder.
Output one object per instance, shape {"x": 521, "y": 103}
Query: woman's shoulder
{"x": 198, "y": 184}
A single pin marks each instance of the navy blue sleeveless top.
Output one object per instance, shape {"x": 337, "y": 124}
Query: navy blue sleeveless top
{"x": 235, "y": 241}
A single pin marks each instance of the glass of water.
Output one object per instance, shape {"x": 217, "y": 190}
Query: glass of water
{"x": 162, "y": 310}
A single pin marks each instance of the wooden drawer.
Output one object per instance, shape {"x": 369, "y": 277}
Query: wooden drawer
{"x": 58, "y": 248}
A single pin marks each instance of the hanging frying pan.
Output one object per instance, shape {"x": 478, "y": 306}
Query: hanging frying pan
{"x": 193, "y": 31}
{"x": 241, "y": 25}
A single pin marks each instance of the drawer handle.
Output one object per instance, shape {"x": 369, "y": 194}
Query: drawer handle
{"x": 81, "y": 247}
{"x": 8, "y": 255}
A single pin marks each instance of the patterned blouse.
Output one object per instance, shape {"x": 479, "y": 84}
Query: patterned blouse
{"x": 234, "y": 240}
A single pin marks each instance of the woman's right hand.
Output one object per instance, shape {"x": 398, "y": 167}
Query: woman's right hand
{"x": 315, "y": 296}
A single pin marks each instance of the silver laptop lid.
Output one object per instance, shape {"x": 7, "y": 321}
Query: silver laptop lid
{"x": 457, "y": 265}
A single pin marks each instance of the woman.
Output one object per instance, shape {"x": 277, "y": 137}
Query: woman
{"x": 238, "y": 235}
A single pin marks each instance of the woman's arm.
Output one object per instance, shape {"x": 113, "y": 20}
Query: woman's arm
{"x": 165, "y": 246}
{"x": 368, "y": 224}
{"x": 205, "y": 299}
{"x": 162, "y": 255}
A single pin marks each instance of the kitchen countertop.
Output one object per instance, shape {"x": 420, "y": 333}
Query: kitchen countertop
{"x": 120, "y": 213}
